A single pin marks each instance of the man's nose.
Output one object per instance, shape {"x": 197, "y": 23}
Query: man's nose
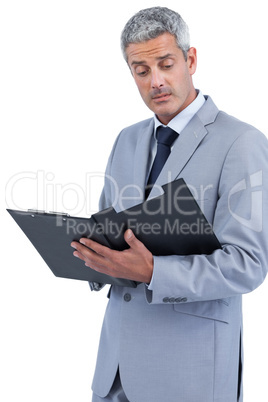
{"x": 157, "y": 79}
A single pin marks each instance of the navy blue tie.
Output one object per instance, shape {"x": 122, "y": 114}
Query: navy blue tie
{"x": 165, "y": 137}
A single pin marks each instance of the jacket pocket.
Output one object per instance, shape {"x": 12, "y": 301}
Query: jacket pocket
{"x": 214, "y": 309}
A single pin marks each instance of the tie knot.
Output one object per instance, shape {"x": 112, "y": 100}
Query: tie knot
{"x": 165, "y": 135}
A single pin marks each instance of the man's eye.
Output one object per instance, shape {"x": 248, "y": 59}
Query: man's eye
{"x": 167, "y": 66}
{"x": 141, "y": 71}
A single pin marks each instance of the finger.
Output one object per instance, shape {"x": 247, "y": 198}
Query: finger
{"x": 83, "y": 246}
{"x": 96, "y": 247}
{"x": 79, "y": 255}
{"x": 82, "y": 252}
{"x": 95, "y": 259}
{"x": 89, "y": 257}
{"x": 90, "y": 263}
{"x": 132, "y": 240}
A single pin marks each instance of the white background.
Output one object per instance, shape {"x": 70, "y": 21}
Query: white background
{"x": 66, "y": 92}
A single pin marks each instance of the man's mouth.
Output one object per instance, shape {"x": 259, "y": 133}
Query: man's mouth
{"x": 161, "y": 97}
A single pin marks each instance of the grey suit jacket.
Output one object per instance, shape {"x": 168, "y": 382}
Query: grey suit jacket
{"x": 180, "y": 339}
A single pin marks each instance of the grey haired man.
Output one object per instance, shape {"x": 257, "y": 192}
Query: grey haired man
{"x": 177, "y": 336}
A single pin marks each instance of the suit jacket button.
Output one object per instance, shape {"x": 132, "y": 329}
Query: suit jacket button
{"x": 178, "y": 299}
{"x": 166, "y": 300}
{"x": 184, "y": 299}
{"x": 127, "y": 297}
{"x": 172, "y": 300}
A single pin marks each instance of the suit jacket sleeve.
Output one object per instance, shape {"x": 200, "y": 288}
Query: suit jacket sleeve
{"x": 241, "y": 225}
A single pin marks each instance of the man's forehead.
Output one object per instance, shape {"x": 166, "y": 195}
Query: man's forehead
{"x": 159, "y": 48}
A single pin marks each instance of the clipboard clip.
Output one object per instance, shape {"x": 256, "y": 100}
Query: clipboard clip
{"x": 59, "y": 213}
{"x": 38, "y": 211}
{"x": 62, "y": 215}
{"x": 35, "y": 211}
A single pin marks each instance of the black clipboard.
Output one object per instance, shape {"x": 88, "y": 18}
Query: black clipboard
{"x": 169, "y": 224}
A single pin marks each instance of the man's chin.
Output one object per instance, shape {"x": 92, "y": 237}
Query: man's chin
{"x": 165, "y": 115}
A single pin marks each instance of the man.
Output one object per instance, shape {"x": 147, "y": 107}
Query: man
{"x": 177, "y": 335}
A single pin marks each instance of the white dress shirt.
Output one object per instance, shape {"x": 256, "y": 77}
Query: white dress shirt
{"x": 178, "y": 123}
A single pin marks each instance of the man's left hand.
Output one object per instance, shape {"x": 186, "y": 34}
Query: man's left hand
{"x": 135, "y": 263}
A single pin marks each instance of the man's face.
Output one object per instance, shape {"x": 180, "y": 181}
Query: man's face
{"x": 162, "y": 75}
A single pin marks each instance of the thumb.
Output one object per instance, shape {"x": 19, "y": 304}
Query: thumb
{"x": 130, "y": 238}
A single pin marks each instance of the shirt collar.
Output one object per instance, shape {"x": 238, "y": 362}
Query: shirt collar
{"x": 180, "y": 121}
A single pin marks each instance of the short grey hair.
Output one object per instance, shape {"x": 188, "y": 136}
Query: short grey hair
{"x": 152, "y": 22}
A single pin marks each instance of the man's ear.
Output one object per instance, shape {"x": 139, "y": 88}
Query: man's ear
{"x": 192, "y": 60}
